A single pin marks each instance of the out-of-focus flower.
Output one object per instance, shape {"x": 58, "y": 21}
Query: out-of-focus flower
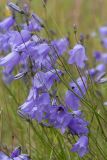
{"x": 15, "y": 155}
{"x": 10, "y": 61}
{"x": 3, "y": 156}
{"x": 22, "y": 37}
{"x": 103, "y": 31}
{"x": 4, "y": 42}
{"x": 97, "y": 55}
{"x": 78, "y": 56}
{"x": 60, "y": 45}
{"x": 14, "y": 7}
{"x": 104, "y": 42}
{"x": 7, "y": 23}
{"x": 100, "y": 68}
{"x": 35, "y": 24}
{"x": 81, "y": 147}
{"x": 104, "y": 58}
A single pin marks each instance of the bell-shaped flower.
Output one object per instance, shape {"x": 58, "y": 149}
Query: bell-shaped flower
{"x": 58, "y": 117}
{"x": 36, "y": 105}
{"x": 78, "y": 126}
{"x": 7, "y": 23}
{"x": 81, "y": 147}
{"x": 103, "y": 31}
{"x": 46, "y": 79}
{"x": 18, "y": 38}
{"x": 35, "y": 24}
{"x": 78, "y": 56}
{"x": 60, "y": 46}
{"x": 10, "y": 61}
{"x": 72, "y": 98}
{"x": 4, "y": 42}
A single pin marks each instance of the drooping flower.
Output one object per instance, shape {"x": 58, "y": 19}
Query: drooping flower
{"x": 78, "y": 56}
{"x": 81, "y": 147}
{"x": 36, "y": 105}
{"x": 3, "y": 156}
{"x": 22, "y": 37}
{"x": 72, "y": 99}
{"x": 104, "y": 42}
{"x": 35, "y": 24}
{"x": 46, "y": 80}
{"x": 41, "y": 50}
{"x": 91, "y": 72}
{"x": 78, "y": 126}
{"x": 14, "y": 7}
{"x": 7, "y": 23}
{"x": 58, "y": 117}
{"x": 97, "y": 55}
{"x": 103, "y": 31}
{"x": 60, "y": 45}
{"x": 9, "y": 61}
{"x": 4, "y": 42}
{"x": 100, "y": 68}
{"x": 104, "y": 58}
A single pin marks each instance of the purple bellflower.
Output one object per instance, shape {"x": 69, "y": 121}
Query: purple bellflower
{"x": 46, "y": 80}
{"x": 103, "y": 31}
{"x": 4, "y": 42}
{"x": 35, "y": 24}
{"x": 97, "y": 55}
{"x": 40, "y": 53}
{"x": 81, "y": 147}
{"x": 16, "y": 152}
{"x": 79, "y": 88}
{"x": 15, "y": 155}
{"x": 36, "y": 105}
{"x": 3, "y": 156}
{"x": 78, "y": 126}
{"x": 60, "y": 45}
{"x": 58, "y": 117}
{"x": 7, "y": 23}
{"x": 77, "y": 56}
{"x": 104, "y": 42}
{"x": 22, "y": 37}
{"x": 9, "y": 61}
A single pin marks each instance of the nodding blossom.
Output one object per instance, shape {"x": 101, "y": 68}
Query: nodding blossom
{"x": 35, "y": 24}
{"x": 81, "y": 147}
{"x": 103, "y": 31}
{"x": 103, "y": 36}
{"x": 78, "y": 56}
{"x": 73, "y": 96}
{"x": 7, "y": 23}
{"x": 60, "y": 45}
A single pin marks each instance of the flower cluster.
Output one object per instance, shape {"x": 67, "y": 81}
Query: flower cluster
{"x": 39, "y": 58}
{"x": 98, "y": 72}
